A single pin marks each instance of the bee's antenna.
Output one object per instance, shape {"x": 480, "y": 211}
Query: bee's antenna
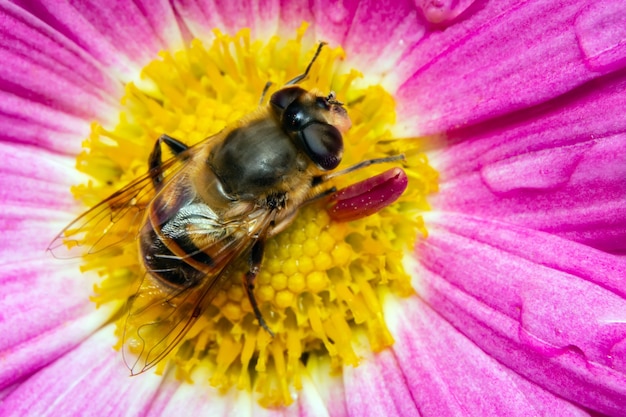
{"x": 301, "y": 77}
{"x": 297, "y": 79}
{"x": 360, "y": 165}
{"x": 265, "y": 90}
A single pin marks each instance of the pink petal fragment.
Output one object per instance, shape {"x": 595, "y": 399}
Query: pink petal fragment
{"x": 390, "y": 28}
{"x": 198, "y": 399}
{"x": 369, "y": 196}
{"x": 88, "y": 381}
{"x": 292, "y": 14}
{"x": 521, "y": 57}
{"x": 559, "y": 168}
{"x": 552, "y": 310}
{"x": 438, "y": 38}
{"x": 43, "y": 314}
{"x": 312, "y": 401}
{"x": 448, "y": 375}
{"x": 328, "y": 383}
{"x": 333, "y": 19}
{"x": 377, "y": 387}
{"x": 50, "y": 89}
{"x": 27, "y": 232}
{"x": 201, "y": 17}
{"x": 122, "y": 35}
{"x": 34, "y": 177}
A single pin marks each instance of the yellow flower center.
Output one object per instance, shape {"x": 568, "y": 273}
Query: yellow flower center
{"x": 321, "y": 281}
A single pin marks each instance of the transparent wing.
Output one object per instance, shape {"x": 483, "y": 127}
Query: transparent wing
{"x": 158, "y": 318}
{"x": 117, "y": 219}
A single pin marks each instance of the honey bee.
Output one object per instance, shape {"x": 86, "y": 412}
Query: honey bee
{"x": 212, "y": 204}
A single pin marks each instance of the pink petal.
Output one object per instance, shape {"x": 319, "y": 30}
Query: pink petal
{"x": 550, "y": 309}
{"x": 526, "y": 55}
{"x": 50, "y": 90}
{"x": 329, "y": 385}
{"x": 198, "y": 399}
{"x": 559, "y": 168}
{"x": 35, "y": 201}
{"x": 201, "y": 399}
{"x": 123, "y": 36}
{"x": 229, "y": 17}
{"x": 370, "y": 29}
{"x": 377, "y": 387}
{"x": 44, "y": 315}
{"x": 34, "y": 177}
{"x": 27, "y": 232}
{"x": 333, "y": 19}
{"x": 292, "y": 14}
{"x": 88, "y": 381}
{"x": 448, "y": 375}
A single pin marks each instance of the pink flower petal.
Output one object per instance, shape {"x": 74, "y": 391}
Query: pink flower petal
{"x": 122, "y": 35}
{"x": 198, "y": 399}
{"x": 47, "y": 314}
{"x": 552, "y": 310}
{"x": 35, "y": 201}
{"x": 27, "y": 232}
{"x": 377, "y": 387}
{"x": 50, "y": 90}
{"x": 292, "y": 14}
{"x": 333, "y": 19}
{"x": 389, "y": 27}
{"x": 526, "y": 55}
{"x": 34, "y": 177}
{"x": 88, "y": 381}
{"x": 328, "y": 384}
{"x": 559, "y": 168}
{"x": 202, "y": 17}
{"x": 450, "y": 376}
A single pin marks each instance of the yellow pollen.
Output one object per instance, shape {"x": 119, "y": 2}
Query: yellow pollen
{"x": 321, "y": 281}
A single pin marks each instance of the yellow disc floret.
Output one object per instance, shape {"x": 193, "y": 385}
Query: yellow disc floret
{"x": 320, "y": 281}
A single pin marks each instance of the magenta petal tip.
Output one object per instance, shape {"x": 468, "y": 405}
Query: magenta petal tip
{"x": 369, "y": 196}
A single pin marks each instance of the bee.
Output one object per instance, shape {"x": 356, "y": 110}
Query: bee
{"x": 213, "y": 204}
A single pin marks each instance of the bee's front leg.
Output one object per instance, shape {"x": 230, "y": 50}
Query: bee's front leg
{"x": 256, "y": 257}
{"x": 155, "y": 160}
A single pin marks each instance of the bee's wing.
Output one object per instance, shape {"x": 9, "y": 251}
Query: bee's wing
{"x": 158, "y": 318}
{"x": 118, "y": 218}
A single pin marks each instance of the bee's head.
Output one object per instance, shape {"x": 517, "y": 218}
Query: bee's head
{"x": 315, "y": 122}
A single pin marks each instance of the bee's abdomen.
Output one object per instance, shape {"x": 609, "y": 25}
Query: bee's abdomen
{"x": 170, "y": 268}
{"x": 171, "y": 255}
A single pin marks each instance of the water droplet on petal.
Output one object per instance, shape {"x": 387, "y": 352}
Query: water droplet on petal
{"x": 540, "y": 170}
{"x": 601, "y": 33}
{"x": 442, "y": 12}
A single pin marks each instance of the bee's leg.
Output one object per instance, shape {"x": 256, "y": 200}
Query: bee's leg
{"x": 256, "y": 256}
{"x": 301, "y": 77}
{"x": 155, "y": 160}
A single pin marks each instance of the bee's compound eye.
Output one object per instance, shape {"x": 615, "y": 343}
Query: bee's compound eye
{"x": 323, "y": 144}
{"x": 284, "y": 97}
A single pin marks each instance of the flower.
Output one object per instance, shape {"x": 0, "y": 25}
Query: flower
{"x": 520, "y": 296}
